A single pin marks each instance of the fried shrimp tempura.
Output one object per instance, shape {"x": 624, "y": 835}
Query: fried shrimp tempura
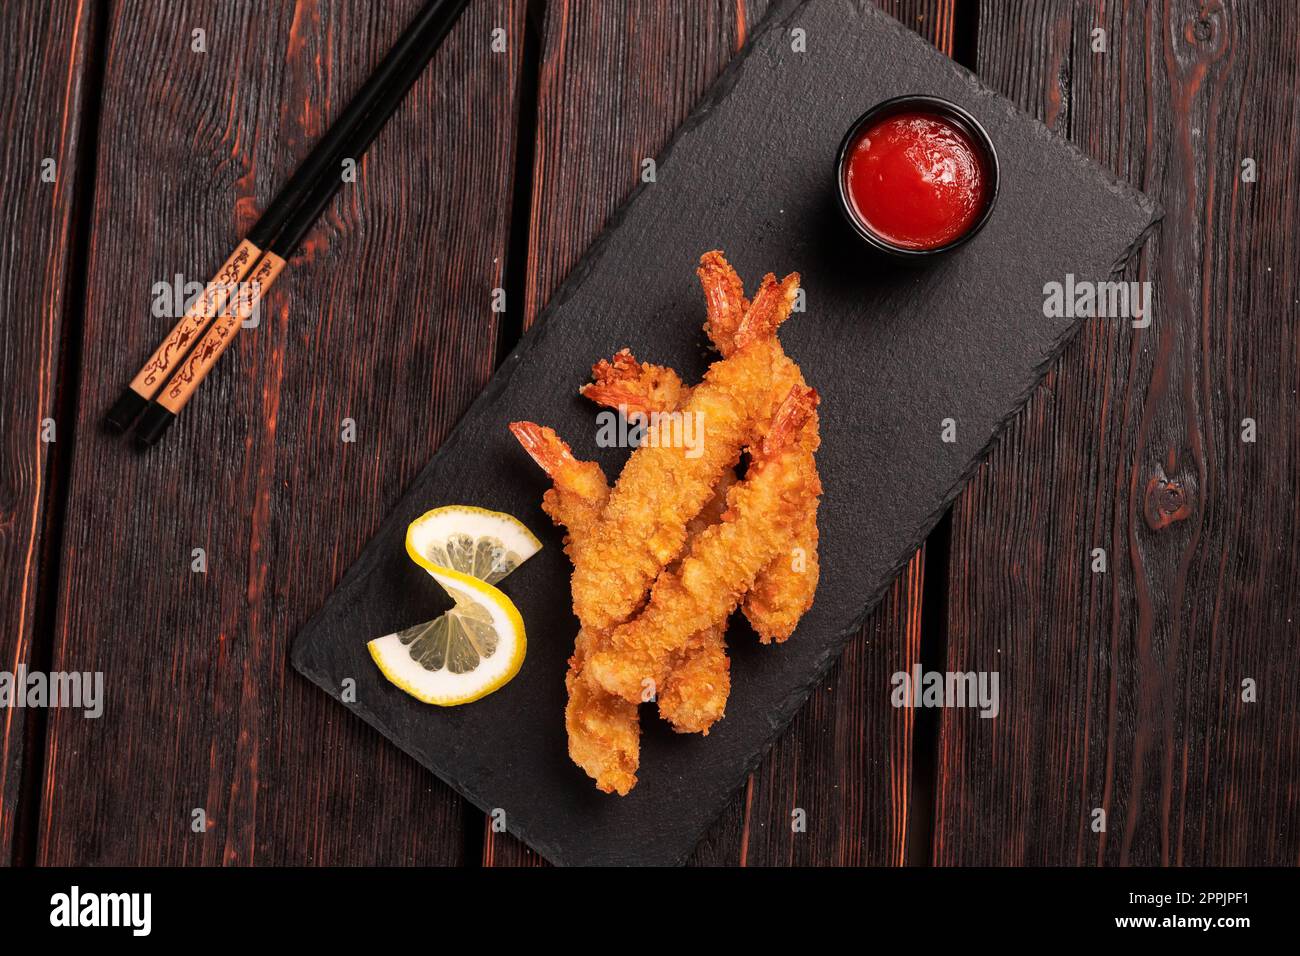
{"x": 663, "y": 558}
{"x": 664, "y": 485}
{"x": 579, "y": 488}
{"x": 723, "y": 562}
{"x": 604, "y": 730}
{"x": 784, "y": 590}
{"x": 694, "y": 696}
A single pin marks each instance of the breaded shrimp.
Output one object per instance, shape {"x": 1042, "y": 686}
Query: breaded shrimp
{"x": 694, "y": 695}
{"x": 784, "y": 590}
{"x": 604, "y": 730}
{"x": 664, "y": 485}
{"x": 578, "y": 489}
{"x": 682, "y": 523}
{"x": 692, "y": 700}
{"x": 723, "y": 562}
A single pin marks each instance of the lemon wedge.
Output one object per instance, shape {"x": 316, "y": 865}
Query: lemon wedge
{"x": 477, "y": 646}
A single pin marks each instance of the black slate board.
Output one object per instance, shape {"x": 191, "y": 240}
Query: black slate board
{"x": 892, "y": 350}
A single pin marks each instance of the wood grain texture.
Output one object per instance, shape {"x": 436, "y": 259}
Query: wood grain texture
{"x": 616, "y": 80}
{"x": 43, "y": 57}
{"x": 847, "y": 759}
{"x": 1123, "y": 690}
{"x": 893, "y": 355}
{"x": 383, "y": 318}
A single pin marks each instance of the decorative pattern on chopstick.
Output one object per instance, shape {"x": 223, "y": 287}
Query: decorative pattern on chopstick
{"x": 197, "y": 318}
{"x": 181, "y": 386}
{"x": 276, "y": 234}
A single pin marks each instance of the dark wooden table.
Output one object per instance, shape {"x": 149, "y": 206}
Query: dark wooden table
{"x": 1121, "y": 690}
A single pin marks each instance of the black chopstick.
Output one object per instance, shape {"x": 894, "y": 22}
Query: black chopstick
{"x": 311, "y": 186}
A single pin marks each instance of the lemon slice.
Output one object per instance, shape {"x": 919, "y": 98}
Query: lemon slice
{"x": 484, "y": 544}
{"x": 479, "y": 644}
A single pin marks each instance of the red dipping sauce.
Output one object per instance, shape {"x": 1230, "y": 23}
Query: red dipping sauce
{"x": 916, "y": 180}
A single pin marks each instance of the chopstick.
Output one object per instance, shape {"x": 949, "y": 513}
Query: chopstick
{"x": 179, "y": 364}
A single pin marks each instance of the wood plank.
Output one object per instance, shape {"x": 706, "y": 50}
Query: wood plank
{"x": 616, "y": 80}
{"x": 43, "y": 56}
{"x": 1123, "y": 691}
{"x": 847, "y": 758}
{"x": 384, "y": 318}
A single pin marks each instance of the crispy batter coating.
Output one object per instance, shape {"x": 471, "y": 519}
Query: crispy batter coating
{"x": 694, "y": 695}
{"x": 784, "y": 590}
{"x": 664, "y": 485}
{"x": 662, "y": 558}
{"x": 723, "y": 563}
{"x": 604, "y": 730}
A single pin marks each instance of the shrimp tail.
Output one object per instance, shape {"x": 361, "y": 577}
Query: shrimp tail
{"x": 772, "y": 305}
{"x": 796, "y": 408}
{"x": 724, "y": 296}
{"x": 543, "y": 445}
{"x": 636, "y": 387}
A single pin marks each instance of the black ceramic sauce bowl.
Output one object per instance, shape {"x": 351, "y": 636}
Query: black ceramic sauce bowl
{"x": 942, "y": 109}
